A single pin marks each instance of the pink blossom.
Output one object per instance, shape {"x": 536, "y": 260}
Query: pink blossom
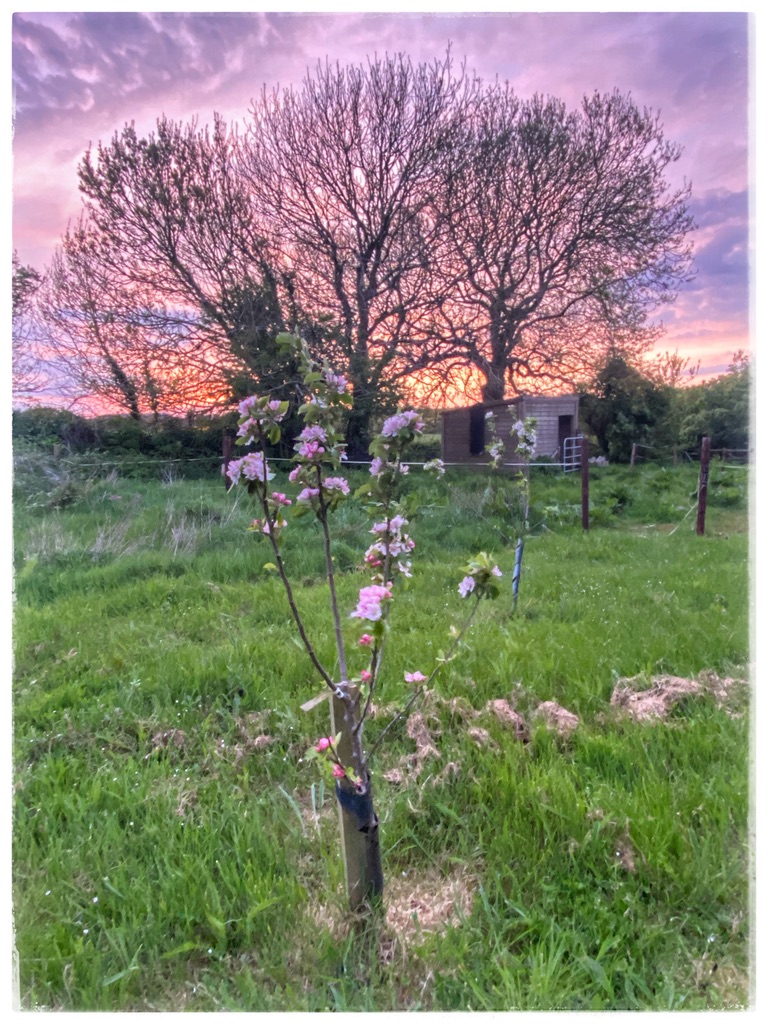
{"x": 294, "y": 474}
{"x": 252, "y": 467}
{"x": 365, "y": 675}
{"x": 313, "y": 433}
{"x": 323, "y": 744}
{"x": 246, "y": 427}
{"x": 280, "y": 499}
{"x": 467, "y": 585}
{"x": 366, "y": 640}
{"x": 278, "y": 525}
{"x": 396, "y": 423}
{"x": 336, "y": 382}
{"x": 305, "y": 497}
{"x": 246, "y": 405}
{"x": 310, "y": 449}
{"x": 339, "y": 772}
{"x": 369, "y": 603}
{"x": 495, "y": 571}
{"x": 436, "y": 466}
{"x": 336, "y": 483}
{"x": 415, "y": 677}
{"x": 376, "y": 466}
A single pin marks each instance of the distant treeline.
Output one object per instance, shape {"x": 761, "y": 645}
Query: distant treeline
{"x": 196, "y": 442}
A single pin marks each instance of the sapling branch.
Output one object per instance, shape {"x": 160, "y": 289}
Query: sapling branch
{"x": 322, "y": 515}
{"x": 425, "y": 685}
{"x": 272, "y": 535}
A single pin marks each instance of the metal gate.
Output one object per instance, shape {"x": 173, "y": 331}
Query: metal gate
{"x": 572, "y": 453}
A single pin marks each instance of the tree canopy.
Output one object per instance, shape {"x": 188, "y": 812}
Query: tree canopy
{"x": 408, "y": 220}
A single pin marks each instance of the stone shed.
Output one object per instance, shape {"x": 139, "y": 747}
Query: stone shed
{"x": 464, "y": 433}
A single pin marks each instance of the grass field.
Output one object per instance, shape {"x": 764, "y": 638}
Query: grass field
{"x": 173, "y": 851}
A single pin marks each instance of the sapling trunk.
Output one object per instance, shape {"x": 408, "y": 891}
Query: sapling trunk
{"x": 358, "y": 822}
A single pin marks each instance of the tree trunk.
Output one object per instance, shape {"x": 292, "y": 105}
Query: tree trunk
{"x": 359, "y": 423}
{"x": 359, "y": 432}
{"x": 358, "y": 823}
{"x": 494, "y": 387}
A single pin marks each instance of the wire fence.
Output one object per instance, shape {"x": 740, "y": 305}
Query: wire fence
{"x": 732, "y": 458}
{"x": 738, "y": 458}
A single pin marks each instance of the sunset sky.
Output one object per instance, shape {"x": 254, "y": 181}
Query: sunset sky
{"x": 80, "y": 77}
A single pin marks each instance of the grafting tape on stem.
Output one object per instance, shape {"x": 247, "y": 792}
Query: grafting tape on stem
{"x": 359, "y": 805}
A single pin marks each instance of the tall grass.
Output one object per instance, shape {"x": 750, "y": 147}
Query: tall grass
{"x": 172, "y": 850}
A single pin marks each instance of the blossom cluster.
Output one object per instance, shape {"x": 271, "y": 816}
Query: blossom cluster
{"x": 369, "y": 605}
{"x": 275, "y": 521}
{"x": 259, "y": 417}
{"x": 523, "y": 434}
{"x": 392, "y": 542}
{"x": 327, "y": 748}
{"x": 480, "y": 577}
{"x": 401, "y": 422}
{"x": 252, "y": 467}
{"x": 525, "y": 431}
{"x": 436, "y": 466}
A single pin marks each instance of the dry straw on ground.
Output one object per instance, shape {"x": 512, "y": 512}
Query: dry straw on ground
{"x": 654, "y": 702}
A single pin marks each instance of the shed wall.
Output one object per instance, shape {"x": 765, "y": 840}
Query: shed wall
{"x": 546, "y": 410}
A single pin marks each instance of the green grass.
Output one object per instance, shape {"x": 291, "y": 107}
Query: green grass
{"x": 605, "y": 871}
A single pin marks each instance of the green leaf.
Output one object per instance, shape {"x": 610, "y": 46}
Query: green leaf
{"x": 270, "y": 901}
{"x": 218, "y": 927}
{"x": 287, "y": 341}
{"x": 185, "y": 947}
{"x": 116, "y": 977}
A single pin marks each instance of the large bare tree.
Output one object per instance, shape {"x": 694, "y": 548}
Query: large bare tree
{"x": 27, "y": 374}
{"x": 411, "y": 223}
{"x": 176, "y": 218}
{"x": 115, "y": 339}
{"x": 348, "y": 167}
{"x": 560, "y": 233}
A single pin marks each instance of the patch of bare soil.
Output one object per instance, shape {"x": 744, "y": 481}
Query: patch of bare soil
{"x": 654, "y": 702}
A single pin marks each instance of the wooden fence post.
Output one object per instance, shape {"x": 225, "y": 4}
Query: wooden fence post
{"x": 584, "y": 483}
{"x": 633, "y": 456}
{"x": 226, "y": 450}
{"x": 703, "y": 482}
